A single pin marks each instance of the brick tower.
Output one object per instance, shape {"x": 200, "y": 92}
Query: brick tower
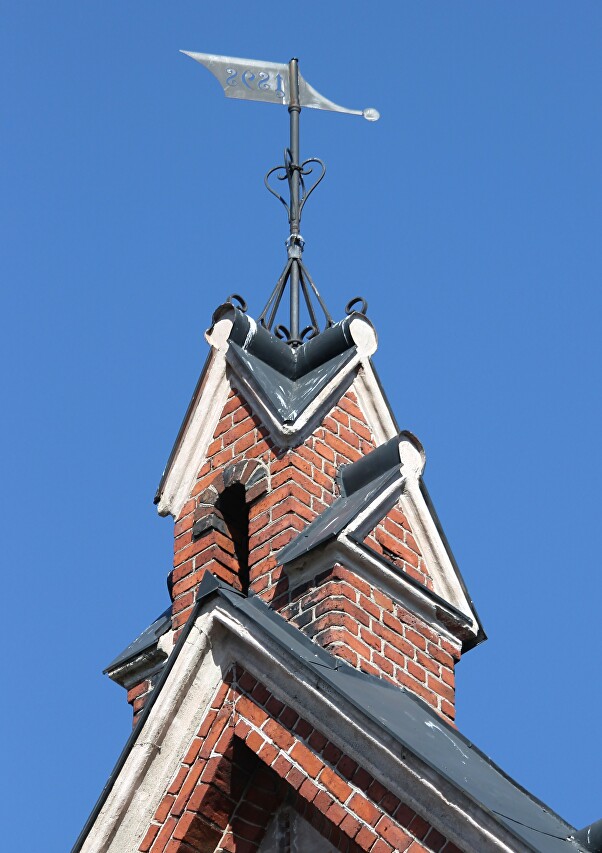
{"x": 298, "y": 692}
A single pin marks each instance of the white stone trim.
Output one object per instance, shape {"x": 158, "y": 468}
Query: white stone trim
{"x": 211, "y": 399}
{"x": 422, "y": 788}
{"x": 198, "y": 432}
{"x": 154, "y": 758}
{"x": 445, "y": 580}
{"x": 372, "y": 403}
{"x": 370, "y": 568}
{"x": 439, "y": 566}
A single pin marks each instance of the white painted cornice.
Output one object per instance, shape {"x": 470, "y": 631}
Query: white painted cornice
{"x": 350, "y": 550}
{"x": 373, "y": 403}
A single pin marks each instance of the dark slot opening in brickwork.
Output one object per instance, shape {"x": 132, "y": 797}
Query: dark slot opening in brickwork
{"x": 235, "y": 511}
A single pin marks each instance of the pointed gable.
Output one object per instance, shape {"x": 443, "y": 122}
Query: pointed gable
{"x": 288, "y": 394}
{"x": 298, "y": 485}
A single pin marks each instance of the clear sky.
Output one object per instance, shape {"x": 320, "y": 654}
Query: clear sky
{"x": 470, "y": 217}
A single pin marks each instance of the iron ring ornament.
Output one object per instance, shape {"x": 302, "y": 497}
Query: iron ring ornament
{"x": 307, "y": 334}
{"x": 350, "y": 309}
{"x": 241, "y": 302}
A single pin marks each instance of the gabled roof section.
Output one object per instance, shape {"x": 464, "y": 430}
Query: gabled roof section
{"x": 350, "y": 698}
{"x": 289, "y": 389}
{"x": 361, "y": 485}
{"x": 370, "y": 488}
{"x": 416, "y": 727}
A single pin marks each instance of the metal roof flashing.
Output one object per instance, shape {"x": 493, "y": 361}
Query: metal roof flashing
{"x": 286, "y": 398}
{"x": 361, "y": 484}
{"x": 358, "y": 474}
{"x": 294, "y": 362}
{"x": 591, "y": 837}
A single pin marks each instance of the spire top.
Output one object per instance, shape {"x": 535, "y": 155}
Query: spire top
{"x": 273, "y": 82}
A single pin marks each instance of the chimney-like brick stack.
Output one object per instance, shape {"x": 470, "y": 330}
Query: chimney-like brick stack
{"x": 284, "y": 491}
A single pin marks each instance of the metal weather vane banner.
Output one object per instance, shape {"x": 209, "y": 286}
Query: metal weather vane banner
{"x": 281, "y": 83}
{"x": 253, "y": 80}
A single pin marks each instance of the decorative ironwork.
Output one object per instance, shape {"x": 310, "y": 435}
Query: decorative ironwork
{"x": 288, "y": 168}
{"x": 350, "y": 309}
{"x": 241, "y": 302}
{"x": 295, "y": 271}
{"x": 295, "y": 274}
{"x": 272, "y": 82}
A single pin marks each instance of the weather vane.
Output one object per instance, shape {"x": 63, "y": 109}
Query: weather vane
{"x": 280, "y": 83}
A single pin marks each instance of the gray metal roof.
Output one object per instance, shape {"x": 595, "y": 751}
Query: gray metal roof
{"x": 288, "y": 378}
{"x": 336, "y": 517}
{"x": 418, "y": 729}
{"x": 146, "y": 640}
{"x": 360, "y": 482}
{"x": 286, "y": 398}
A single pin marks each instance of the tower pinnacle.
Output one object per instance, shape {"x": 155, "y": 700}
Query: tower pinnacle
{"x": 277, "y": 83}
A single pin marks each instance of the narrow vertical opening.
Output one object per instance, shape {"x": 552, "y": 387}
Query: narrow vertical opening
{"x": 235, "y": 512}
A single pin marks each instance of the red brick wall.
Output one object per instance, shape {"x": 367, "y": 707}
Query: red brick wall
{"x": 302, "y": 485}
{"x": 360, "y": 624}
{"x": 393, "y": 538}
{"x": 138, "y": 694}
{"x": 250, "y": 753}
{"x": 137, "y": 697}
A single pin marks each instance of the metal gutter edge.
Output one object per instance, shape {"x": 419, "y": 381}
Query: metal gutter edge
{"x": 369, "y": 467}
{"x": 329, "y": 676}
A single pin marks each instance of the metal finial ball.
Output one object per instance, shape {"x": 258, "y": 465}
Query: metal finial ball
{"x": 371, "y": 114}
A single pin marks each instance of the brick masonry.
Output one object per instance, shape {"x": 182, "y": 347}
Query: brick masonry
{"x": 253, "y": 752}
{"x": 138, "y": 695}
{"x": 393, "y": 538}
{"x": 360, "y": 624}
{"x": 285, "y": 490}
{"x": 302, "y": 485}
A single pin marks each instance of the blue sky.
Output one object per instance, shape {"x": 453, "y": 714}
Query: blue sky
{"x": 470, "y": 218}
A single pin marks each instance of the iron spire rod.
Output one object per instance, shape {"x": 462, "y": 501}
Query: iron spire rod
{"x": 294, "y": 172}
{"x": 294, "y": 110}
